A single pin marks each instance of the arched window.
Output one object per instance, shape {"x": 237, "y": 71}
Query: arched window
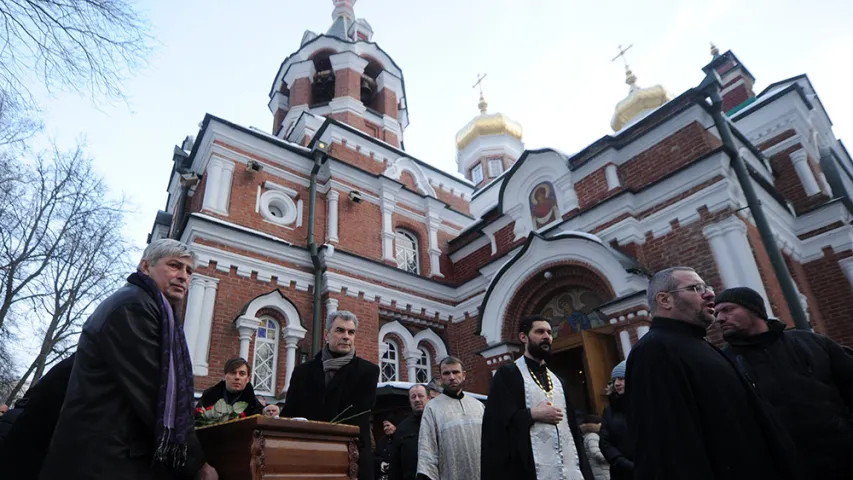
{"x": 423, "y": 374}
{"x": 390, "y": 362}
{"x": 406, "y": 251}
{"x": 266, "y": 357}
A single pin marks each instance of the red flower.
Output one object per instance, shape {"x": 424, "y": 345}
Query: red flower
{"x": 199, "y": 411}
{"x": 242, "y": 414}
{"x": 209, "y": 407}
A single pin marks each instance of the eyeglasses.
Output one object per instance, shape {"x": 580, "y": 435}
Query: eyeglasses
{"x": 699, "y": 288}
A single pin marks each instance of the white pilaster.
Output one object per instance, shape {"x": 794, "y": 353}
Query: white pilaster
{"x": 733, "y": 256}
{"x": 411, "y": 362}
{"x": 611, "y": 174}
{"x": 333, "y": 197}
{"x": 388, "y": 203}
{"x": 292, "y": 335}
{"x": 246, "y": 327}
{"x": 211, "y": 187}
{"x": 800, "y": 158}
{"x": 847, "y": 267}
{"x": 205, "y": 325}
{"x": 433, "y": 224}
{"x": 195, "y": 297}
{"x": 331, "y": 305}
{"x": 642, "y": 330}
{"x": 625, "y": 340}
{"x": 390, "y": 81}
{"x": 224, "y": 196}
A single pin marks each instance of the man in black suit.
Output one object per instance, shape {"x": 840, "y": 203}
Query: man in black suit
{"x": 337, "y": 386}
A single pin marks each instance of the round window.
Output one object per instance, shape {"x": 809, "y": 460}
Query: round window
{"x": 278, "y": 208}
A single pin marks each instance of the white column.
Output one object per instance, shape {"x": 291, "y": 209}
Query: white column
{"x": 733, "y": 255}
{"x": 642, "y": 330}
{"x": 212, "y": 183}
{"x": 800, "y": 158}
{"x": 195, "y": 297}
{"x": 388, "y": 230}
{"x": 292, "y": 336}
{"x": 333, "y": 215}
{"x": 246, "y": 327}
{"x": 412, "y": 358}
{"x": 433, "y": 224}
{"x": 205, "y": 324}
{"x": 224, "y": 196}
{"x": 611, "y": 174}
{"x": 625, "y": 340}
{"x": 847, "y": 267}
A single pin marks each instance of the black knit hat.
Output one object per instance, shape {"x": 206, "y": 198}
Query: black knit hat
{"x": 745, "y": 297}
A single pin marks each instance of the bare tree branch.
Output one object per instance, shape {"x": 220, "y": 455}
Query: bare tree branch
{"x": 84, "y": 45}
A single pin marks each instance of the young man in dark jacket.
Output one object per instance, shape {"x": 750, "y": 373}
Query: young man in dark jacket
{"x": 128, "y": 411}
{"x": 615, "y": 444}
{"x": 806, "y": 378}
{"x": 337, "y": 385}
{"x": 691, "y": 414}
{"x": 236, "y": 387}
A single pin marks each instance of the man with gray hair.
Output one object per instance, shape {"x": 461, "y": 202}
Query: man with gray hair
{"x": 691, "y": 413}
{"x": 337, "y": 386}
{"x": 128, "y": 410}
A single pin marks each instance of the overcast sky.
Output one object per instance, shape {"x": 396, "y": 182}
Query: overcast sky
{"x": 548, "y": 64}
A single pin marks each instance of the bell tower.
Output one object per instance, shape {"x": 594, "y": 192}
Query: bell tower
{"x": 343, "y": 75}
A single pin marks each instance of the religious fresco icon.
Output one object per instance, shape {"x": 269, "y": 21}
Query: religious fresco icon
{"x": 543, "y": 204}
{"x": 572, "y": 311}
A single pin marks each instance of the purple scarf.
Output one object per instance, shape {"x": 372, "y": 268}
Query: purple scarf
{"x": 174, "y": 422}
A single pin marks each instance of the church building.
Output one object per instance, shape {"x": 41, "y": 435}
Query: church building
{"x": 328, "y": 211}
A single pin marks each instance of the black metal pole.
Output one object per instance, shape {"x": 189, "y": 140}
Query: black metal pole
{"x": 316, "y": 325}
{"x": 711, "y": 87}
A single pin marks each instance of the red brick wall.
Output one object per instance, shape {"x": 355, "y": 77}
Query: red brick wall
{"x": 232, "y": 295}
{"x": 679, "y": 149}
{"x": 360, "y": 228}
{"x": 300, "y": 92}
{"x": 826, "y": 277}
{"x": 387, "y": 102}
{"x": 347, "y": 83}
{"x": 356, "y": 158}
{"x": 802, "y": 281}
{"x": 463, "y": 343}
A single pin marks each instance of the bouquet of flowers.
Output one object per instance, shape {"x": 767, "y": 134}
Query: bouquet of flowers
{"x": 219, "y": 412}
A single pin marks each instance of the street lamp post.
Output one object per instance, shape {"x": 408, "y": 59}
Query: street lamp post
{"x": 711, "y": 87}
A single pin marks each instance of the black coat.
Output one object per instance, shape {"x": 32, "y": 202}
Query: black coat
{"x": 382, "y": 454}
{"x": 107, "y": 426}
{"x": 212, "y": 395}
{"x": 26, "y": 443}
{"x": 692, "y": 415}
{"x": 808, "y": 380}
{"x": 353, "y": 386}
{"x": 615, "y": 443}
{"x": 506, "y": 450}
{"x": 404, "y": 449}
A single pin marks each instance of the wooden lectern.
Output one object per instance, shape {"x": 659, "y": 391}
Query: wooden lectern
{"x": 257, "y": 447}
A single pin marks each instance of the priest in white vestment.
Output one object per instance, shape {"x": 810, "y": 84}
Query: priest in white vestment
{"x": 449, "y": 440}
{"x": 529, "y": 427}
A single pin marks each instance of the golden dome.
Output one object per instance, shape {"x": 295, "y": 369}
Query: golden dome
{"x": 638, "y": 101}
{"x": 487, "y": 124}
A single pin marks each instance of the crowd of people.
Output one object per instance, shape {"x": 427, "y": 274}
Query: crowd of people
{"x": 772, "y": 404}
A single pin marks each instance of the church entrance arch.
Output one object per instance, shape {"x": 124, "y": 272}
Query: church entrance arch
{"x": 566, "y": 277}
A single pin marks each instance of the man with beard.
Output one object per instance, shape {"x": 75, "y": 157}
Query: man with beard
{"x": 404, "y": 450}
{"x": 449, "y": 440}
{"x": 529, "y": 427}
{"x": 806, "y": 378}
{"x": 337, "y": 386}
{"x": 691, "y": 414}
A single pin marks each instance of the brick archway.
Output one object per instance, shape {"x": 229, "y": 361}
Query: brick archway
{"x": 617, "y": 275}
{"x": 535, "y": 291}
